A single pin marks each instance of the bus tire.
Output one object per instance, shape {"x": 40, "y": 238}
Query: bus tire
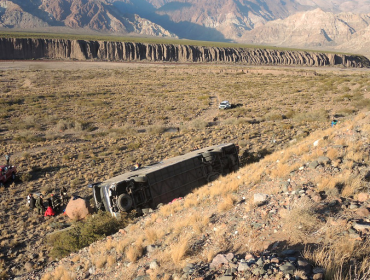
{"x": 213, "y": 176}
{"x": 124, "y": 202}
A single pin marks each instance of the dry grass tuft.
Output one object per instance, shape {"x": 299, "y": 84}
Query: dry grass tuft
{"x": 301, "y": 220}
{"x": 342, "y": 259}
{"x": 352, "y": 185}
{"x": 179, "y": 250}
{"x": 111, "y": 260}
{"x": 122, "y": 245}
{"x": 61, "y": 273}
{"x": 227, "y": 203}
{"x": 332, "y": 153}
{"x": 151, "y": 235}
{"x": 100, "y": 261}
{"x": 134, "y": 252}
{"x": 327, "y": 183}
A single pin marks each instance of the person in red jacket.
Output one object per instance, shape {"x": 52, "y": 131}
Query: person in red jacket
{"x": 49, "y": 211}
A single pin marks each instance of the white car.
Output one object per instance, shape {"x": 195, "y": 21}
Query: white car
{"x": 224, "y": 105}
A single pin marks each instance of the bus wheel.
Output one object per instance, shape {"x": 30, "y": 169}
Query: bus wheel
{"x": 124, "y": 202}
{"x": 213, "y": 176}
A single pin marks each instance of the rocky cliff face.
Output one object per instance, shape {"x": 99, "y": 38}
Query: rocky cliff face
{"x": 12, "y": 48}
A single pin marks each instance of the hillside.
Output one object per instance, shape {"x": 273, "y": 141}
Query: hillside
{"x": 75, "y": 123}
{"x": 302, "y": 211}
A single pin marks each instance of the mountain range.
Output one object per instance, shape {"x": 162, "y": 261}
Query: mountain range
{"x": 316, "y": 24}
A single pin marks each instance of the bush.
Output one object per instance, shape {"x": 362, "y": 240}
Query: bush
{"x": 84, "y": 233}
{"x": 26, "y": 177}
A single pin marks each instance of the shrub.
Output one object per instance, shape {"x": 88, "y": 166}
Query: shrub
{"x": 199, "y": 124}
{"x": 273, "y": 116}
{"x": 26, "y": 177}
{"x": 84, "y": 233}
{"x": 156, "y": 129}
{"x": 63, "y": 125}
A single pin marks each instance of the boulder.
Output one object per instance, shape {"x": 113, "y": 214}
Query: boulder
{"x": 260, "y": 198}
{"x": 362, "y": 197}
{"x": 323, "y": 160}
{"x": 219, "y": 260}
{"x": 77, "y": 209}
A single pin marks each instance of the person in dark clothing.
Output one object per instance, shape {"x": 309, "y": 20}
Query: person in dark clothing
{"x": 32, "y": 202}
{"x": 40, "y": 205}
{"x": 63, "y": 195}
{"x": 54, "y": 202}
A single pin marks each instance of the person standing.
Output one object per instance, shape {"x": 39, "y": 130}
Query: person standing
{"x": 40, "y": 205}
{"x": 7, "y": 157}
{"x": 31, "y": 201}
{"x": 63, "y": 195}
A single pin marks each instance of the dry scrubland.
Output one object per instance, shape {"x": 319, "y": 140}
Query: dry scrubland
{"x": 74, "y": 127}
{"x": 314, "y": 214}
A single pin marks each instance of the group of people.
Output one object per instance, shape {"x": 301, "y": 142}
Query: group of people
{"x": 53, "y": 203}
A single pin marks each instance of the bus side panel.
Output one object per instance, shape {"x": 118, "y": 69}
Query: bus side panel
{"x": 176, "y": 180}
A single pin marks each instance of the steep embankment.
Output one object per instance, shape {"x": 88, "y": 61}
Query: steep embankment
{"x": 12, "y": 48}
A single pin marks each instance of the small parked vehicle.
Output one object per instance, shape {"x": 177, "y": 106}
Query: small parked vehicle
{"x": 7, "y": 173}
{"x": 224, "y": 105}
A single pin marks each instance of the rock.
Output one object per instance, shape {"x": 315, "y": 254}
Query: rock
{"x": 317, "y": 197}
{"x": 28, "y": 266}
{"x": 302, "y": 262}
{"x": 284, "y": 186}
{"x": 146, "y": 210}
{"x": 323, "y": 160}
{"x": 318, "y": 270}
{"x": 225, "y": 277}
{"x": 142, "y": 277}
{"x": 78, "y": 209}
{"x": 219, "y": 260}
{"x": 333, "y": 203}
{"x": 363, "y": 212}
{"x": 258, "y": 271}
{"x": 313, "y": 164}
{"x": 230, "y": 271}
{"x": 259, "y": 198}
{"x": 189, "y": 268}
{"x": 229, "y": 256}
{"x": 259, "y": 262}
{"x": 289, "y": 252}
{"x": 362, "y": 197}
{"x": 150, "y": 248}
{"x": 361, "y": 227}
{"x": 353, "y": 206}
{"x": 153, "y": 265}
{"x": 243, "y": 266}
{"x": 92, "y": 270}
{"x": 288, "y": 268}
{"x": 316, "y": 143}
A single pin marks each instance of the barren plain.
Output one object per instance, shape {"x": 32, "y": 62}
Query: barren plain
{"x": 74, "y": 123}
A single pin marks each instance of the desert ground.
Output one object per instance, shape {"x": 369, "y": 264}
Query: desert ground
{"x": 74, "y": 123}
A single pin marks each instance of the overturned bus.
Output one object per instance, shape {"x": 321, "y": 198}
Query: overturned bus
{"x": 163, "y": 181}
